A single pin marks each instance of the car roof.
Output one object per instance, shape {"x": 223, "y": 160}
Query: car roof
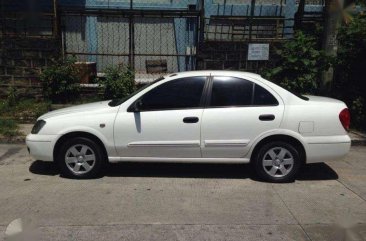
{"x": 214, "y": 72}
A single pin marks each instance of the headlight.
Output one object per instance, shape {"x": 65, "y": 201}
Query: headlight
{"x": 38, "y": 126}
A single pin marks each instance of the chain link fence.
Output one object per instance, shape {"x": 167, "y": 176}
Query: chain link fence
{"x": 152, "y": 45}
{"x": 155, "y": 37}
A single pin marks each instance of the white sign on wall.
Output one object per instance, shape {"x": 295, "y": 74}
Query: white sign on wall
{"x": 258, "y": 51}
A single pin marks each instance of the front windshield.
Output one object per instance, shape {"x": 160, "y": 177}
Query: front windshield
{"x": 116, "y": 102}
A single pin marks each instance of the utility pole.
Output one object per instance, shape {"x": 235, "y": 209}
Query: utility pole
{"x": 299, "y": 15}
{"x": 131, "y": 60}
{"x": 252, "y": 11}
{"x": 55, "y": 19}
{"x": 333, "y": 18}
{"x": 202, "y": 20}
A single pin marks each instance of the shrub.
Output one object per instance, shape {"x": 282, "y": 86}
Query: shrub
{"x": 12, "y": 98}
{"x": 60, "y": 81}
{"x": 8, "y": 128}
{"x": 350, "y": 83}
{"x": 119, "y": 82}
{"x": 299, "y": 65}
{"x": 25, "y": 110}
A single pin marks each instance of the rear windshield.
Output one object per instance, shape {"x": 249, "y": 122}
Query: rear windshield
{"x": 116, "y": 102}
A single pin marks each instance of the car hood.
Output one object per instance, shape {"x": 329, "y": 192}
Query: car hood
{"x": 96, "y": 106}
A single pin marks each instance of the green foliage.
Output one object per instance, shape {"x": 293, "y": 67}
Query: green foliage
{"x": 60, "y": 81}
{"x": 119, "y": 82}
{"x": 8, "y": 128}
{"x": 12, "y": 97}
{"x": 358, "y": 112}
{"x": 350, "y": 82}
{"x": 299, "y": 65}
{"x": 25, "y": 110}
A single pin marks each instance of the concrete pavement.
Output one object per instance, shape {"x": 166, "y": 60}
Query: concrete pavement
{"x": 151, "y": 201}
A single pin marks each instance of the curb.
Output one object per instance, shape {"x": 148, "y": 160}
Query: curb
{"x": 358, "y": 142}
{"x": 12, "y": 140}
{"x": 357, "y": 138}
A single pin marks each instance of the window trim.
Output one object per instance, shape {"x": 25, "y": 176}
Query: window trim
{"x": 209, "y": 94}
{"x": 202, "y": 99}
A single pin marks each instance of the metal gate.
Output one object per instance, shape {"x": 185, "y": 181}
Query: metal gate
{"x": 151, "y": 42}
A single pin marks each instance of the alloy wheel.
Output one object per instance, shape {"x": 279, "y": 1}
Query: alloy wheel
{"x": 278, "y": 162}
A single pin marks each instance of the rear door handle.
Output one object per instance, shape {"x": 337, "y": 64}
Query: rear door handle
{"x": 266, "y": 117}
{"x": 190, "y": 119}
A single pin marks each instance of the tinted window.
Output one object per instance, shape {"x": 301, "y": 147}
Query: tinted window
{"x": 176, "y": 94}
{"x": 263, "y": 97}
{"x": 230, "y": 91}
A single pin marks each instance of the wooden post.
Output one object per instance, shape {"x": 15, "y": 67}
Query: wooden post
{"x": 55, "y": 19}
{"x": 299, "y": 15}
{"x": 131, "y": 60}
{"x": 202, "y": 21}
{"x": 252, "y": 9}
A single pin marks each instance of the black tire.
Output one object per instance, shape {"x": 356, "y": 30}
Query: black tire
{"x": 79, "y": 143}
{"x": 264, "y": 171}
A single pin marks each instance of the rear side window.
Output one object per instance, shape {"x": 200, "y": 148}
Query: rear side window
{"x": 263, "y": 97}
{"x": 176, "y": 94}
{"x": 230, "y": 91}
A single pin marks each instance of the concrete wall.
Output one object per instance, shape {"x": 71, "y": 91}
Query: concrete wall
{"x": 21, "y": 59}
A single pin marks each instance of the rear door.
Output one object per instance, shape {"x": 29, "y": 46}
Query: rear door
{"x": 237, "y": 111}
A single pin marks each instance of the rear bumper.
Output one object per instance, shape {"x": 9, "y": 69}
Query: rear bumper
{"x": 321, "y": 149}
{"x": 40, "y": 147}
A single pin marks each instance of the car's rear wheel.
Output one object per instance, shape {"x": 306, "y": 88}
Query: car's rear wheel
{"x": 278, "y": 162}
{"x": 80, "y": 157}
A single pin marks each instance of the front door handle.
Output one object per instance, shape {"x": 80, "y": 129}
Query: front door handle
{"x": 191, "y": 119}
{"x": 266, "y": 117}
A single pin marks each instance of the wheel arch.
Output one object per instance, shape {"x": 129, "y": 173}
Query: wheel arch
{"x": 73, "y": 134}
{"x": 280, "y": 137}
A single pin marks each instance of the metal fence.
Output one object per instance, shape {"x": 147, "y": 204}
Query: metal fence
{"x": 246, "y": 28}
{"x": 152, "y": 36}
{"x": 152, "y": 44}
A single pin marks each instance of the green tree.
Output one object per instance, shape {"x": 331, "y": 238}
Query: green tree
{"x": 299, "y": 64}
{"x": 350, "y": 83}
{"x": 119, "y": 82}
{"x": 60, "y": 81}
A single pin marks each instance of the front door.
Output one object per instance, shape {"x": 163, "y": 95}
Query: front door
{"x": 167, "y": 124}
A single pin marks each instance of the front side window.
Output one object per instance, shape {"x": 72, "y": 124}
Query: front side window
{"x": 176, "y": 94}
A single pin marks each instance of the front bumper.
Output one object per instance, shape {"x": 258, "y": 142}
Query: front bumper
{"x": 40, "y": 147}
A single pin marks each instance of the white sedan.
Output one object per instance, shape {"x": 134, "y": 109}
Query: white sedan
{"x": 199, "y": 116}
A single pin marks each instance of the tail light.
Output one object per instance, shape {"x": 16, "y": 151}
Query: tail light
{"x": 345, "y": 118}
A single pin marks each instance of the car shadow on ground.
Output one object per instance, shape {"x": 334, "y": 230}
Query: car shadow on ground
{"x": 316, "y": 171}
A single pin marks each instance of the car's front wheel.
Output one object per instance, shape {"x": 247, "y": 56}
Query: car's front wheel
{"x": 80, "y": 157}
{"x": 277, "y": 162}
